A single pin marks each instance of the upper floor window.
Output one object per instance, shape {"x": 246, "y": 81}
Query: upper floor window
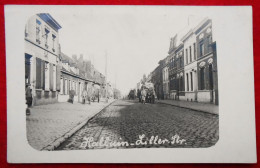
{"x": 201, "y": 48}
{"x": 194, "y": 50}
{"x": 180, "y": 61}
{"x": 186, "y": 56}
{"x": 209, "y": 42}
{"x": 53, "y": 42}
{"x": 46, "y": 37}
{"x": 190, "y": 54}
{"x": 38, "y": 31}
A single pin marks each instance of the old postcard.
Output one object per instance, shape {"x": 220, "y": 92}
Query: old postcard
{"x": 133, "y": 84}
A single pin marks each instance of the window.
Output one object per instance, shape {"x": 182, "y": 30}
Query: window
{"x": 191, "y": 82}
{"x": 53, "y": 42}
{"x": 180, "y": 61}
{"x": 190, "y": 54}
{"x": 40, "y": 73}
{"x": 66, "y": 86}
{"x": 47, "y": 76}
{"x": 186, "y": 56}
{"x": 181, "y": 83}
{"x": 61, "y": 85}
{"x": 194, "y": 50}
{"x": 209, "y": 43}
{"x": 38, "y": 31}
{"x": 51, "y": 76}
{"x": 187, "y": 77}
{"x": 201, "y": 48}
{"x": 202, "y": 84}
{"x": 46, "y": 37}
{"x": 210, "y": 77}
{"x": 54, "y": 77}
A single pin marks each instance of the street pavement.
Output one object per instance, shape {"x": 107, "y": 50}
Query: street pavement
{"x": 130, "y": 124}
{"x": 47, "y": 123}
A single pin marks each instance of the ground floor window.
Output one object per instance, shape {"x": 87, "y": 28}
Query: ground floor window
{"x": 210, "y": 77}
{"x": 40, "y": 74}
{"x": 202, "y": 81}
{"x": 181, "y": 83}
{"x": 191, "y": 81}
{"x": 61, "y": 85}
{"x": 187, "y": 83}
{"x": 66, "y": 86}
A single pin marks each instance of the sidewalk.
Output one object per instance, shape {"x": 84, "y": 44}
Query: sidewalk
{"x": 204, "y": 107}
{"x": 49, "y": 125}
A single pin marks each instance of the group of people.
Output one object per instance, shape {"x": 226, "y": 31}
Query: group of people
{"x": 90, "y": 95}
{"x": 145, "y": 95}
{"x": 87, "y": 95}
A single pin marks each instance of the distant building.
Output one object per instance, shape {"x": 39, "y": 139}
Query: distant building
{"x": 157, "y": 81}
{"x": 71, "y": 80}
{"x": 78, "y": 74}
{"x": 42, "y": 52}
{"x": 165, "y": 76}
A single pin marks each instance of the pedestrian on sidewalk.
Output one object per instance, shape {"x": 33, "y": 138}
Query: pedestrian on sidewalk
{"x": 139, "y": 94}
{"x": 84, "y": 96}
{"x": 71, "y": 96}
{"x": 143, "y": 94}
{"x": 28, "y": 96}
{"x": 90, "y": 94}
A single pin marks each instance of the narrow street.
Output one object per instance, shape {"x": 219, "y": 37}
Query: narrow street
{"x": 145, "y": 126}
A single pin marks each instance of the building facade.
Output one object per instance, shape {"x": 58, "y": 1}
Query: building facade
{"x": 42, "y": 52}
{"x": 190, "y": 66}
{"x": 206, "y": 63}
{"x": 165, "y": 78}
{"x": 78, "y": 75}
{"x": 70, "y": 80}
{"x": 193, "y": 65}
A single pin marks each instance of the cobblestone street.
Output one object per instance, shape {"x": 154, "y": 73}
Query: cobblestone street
{"x": 161, "y": 126}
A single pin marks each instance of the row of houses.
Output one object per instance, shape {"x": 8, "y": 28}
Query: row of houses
{"x": 50, "y": 73}
{"x": 189, "y": 71}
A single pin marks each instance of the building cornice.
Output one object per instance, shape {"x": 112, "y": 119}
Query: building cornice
{"x": 39, "y": 46}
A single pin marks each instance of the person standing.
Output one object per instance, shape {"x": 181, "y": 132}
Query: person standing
{"x": 143, "y": 94}
{"x": 139, "y": 94}
{"x": 90, "y": 92}
{"x": 28, "y": 96}
{"x": 84, "y": 96}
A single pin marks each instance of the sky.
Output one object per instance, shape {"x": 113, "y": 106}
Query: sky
{"x": 134, "y": 38}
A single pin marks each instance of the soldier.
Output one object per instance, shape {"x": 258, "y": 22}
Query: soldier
{"x": 84, "y": 96}
{"x": 90, "y": 94}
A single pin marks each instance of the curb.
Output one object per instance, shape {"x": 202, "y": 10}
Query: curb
{"x": 202, "y": 111}
{"x": 56, "y": 143}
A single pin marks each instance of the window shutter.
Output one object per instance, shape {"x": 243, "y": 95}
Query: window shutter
{"x": 38, "y": 73}
{"x": 51, "y": 76}
{"x": 43, "y": 74}
{"x": 58, "y": 69}
{"x": 63, "y": 86}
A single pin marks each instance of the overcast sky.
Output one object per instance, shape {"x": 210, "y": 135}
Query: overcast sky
{"x": 135, "y": 38}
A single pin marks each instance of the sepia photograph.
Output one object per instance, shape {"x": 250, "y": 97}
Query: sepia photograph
{"x": 158, "y": 84}
{"x": 108, "y": 80}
